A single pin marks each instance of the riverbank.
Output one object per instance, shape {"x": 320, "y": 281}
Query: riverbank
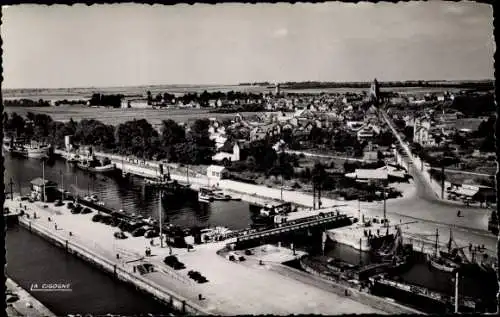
{"x": 470, "y": 228}
{"x": 26, "y": 305}
{"x": 232, "y": 287}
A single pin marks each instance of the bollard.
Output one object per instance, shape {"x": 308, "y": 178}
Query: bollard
{"x": 183, "y": 306}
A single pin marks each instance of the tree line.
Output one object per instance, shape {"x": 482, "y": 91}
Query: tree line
{"x": 137, "y": 137}
{"x": 25, "y": 103}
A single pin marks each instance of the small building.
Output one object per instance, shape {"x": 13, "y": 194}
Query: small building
{"x": 38, "y": 185}
{"x": 372, "y": 176}
{"x": 216, "y": 172}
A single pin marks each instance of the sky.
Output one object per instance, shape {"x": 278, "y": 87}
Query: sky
{"x": 134, "y": 44}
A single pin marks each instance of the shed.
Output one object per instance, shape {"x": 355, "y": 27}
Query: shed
{"x": 216, "y": 172}
{"x": 38, "y": 183}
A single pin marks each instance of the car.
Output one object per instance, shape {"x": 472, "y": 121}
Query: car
{"x": 11, "y": 298}
{"x": 151, "y": 234}
{"x": 70, "y": 205}
{"x": 120, "y": 235}
{"x": 241, "y": 258}
{"x": 248, "y": 252}
{"x": 86, "y": 210}
{"x": 106, "y": 220}
{"x": 138, "y": 232}
{"x": 96, "y": 218}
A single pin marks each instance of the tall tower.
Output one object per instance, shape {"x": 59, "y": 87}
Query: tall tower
{"x": 375, "y": 92}
{"x": 277, "y": 89}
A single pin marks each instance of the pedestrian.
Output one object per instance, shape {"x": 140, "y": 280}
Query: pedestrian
{"x": 151, "y": 242}
{"x": 55, "y": 226}
{"x": 49, "y": 219}
{"x": 34, "y": 215}
{"x": 70, "y": 234}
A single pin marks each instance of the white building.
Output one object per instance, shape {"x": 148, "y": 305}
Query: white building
{"x": 216, "y": 172}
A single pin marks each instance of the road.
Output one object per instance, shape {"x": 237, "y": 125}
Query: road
{"x": 433, "y": 212}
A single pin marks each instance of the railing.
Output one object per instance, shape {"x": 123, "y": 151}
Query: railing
{"x": 294, "y": 226}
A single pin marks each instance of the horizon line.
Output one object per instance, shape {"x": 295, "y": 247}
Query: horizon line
{"x": 256, "y": 82}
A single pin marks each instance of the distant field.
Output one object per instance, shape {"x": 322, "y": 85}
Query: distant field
{"x": 117, "y": 116}
{"x": 85, "y": 93}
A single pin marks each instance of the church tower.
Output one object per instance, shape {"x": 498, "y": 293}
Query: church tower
{"x": 375, "y": 93}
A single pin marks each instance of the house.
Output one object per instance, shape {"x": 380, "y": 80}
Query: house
{"x": 366, "y": 133}
{"x": 216, "y": 172}
{"x": 227, "y": 157}
{"x": 421, "y": 131}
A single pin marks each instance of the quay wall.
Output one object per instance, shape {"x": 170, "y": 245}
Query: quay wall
{"x": 21, "y": 306}
{"x": 360, "y": 296}
{"x": 176, "y": 302}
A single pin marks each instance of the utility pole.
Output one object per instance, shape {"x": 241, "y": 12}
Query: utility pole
{"x": 62, "y": 185}
{"x": 43, "y": 179}
{"x": 314, "y": 195}
{"x": 11, "y": 189}
{"x": 281, "y": 187}
{"x": 456, "y": 291}
{"x": 442, "y": 181}
{"x": 385, "y": 206}
{"x": 159, "y": 216}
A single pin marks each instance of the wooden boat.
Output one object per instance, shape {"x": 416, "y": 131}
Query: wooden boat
{"x": 96, "y": 167}
{"x": 441, "y": 263}
{"x": 207, "y": 194}
{"x": 37, "y": 151}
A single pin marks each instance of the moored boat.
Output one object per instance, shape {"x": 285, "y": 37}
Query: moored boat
{"x": 205, "y": 195}
{"x": 93, "y": 165}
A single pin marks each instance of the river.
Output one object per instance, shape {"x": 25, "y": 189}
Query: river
{"x": 127, "y": 195}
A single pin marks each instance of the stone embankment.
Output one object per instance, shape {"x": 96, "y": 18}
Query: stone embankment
{"x": 232, "y": 288}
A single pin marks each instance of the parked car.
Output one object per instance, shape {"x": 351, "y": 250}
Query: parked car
{"x": 138, "y": 232}
{"x": 70, "y": 205}
{"x": 96, "y": 218}
{"x": 86, "y": 210}
{"x": 151, "y": 234}
{"x": 120, "y": 235}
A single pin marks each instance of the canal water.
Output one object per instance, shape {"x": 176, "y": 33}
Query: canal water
{"x": 31, "y": 259}
{"x": 130, "y": 195}
{"x": 420, "y": 273}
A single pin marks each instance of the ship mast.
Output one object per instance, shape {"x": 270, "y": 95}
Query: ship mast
{"x": 437, "y": 242}
{"x": 159, "y": 217}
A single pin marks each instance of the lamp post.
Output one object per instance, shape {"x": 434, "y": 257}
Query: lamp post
{"x": 43, "y": 179}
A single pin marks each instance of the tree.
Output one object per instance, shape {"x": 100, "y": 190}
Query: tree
{"x": 172, "y": 133}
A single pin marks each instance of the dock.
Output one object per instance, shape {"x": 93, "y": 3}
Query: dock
{"x": 233, "y": 288}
